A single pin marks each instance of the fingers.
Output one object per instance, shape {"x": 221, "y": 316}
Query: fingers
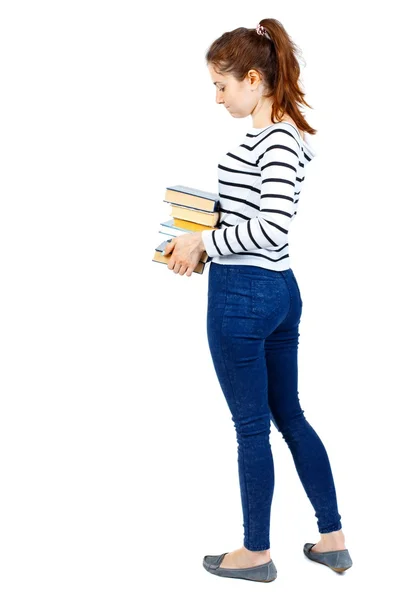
{"x": 177, "y": 267}
{"x": 169, "y": 247}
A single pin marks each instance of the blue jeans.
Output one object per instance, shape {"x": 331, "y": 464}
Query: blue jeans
{"x": 253, "y": 320}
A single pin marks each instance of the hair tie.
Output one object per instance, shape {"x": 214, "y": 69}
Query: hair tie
{"x": 262, "y": 31}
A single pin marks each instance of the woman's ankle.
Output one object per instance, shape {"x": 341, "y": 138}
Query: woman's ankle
{"x": 333, "y": 535}
{"x": 258, "y": 552}
{"x": 335, "y": 540}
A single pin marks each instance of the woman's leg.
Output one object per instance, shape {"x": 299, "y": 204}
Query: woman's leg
{"x": 240, "y": 301}
{"x": 309, "y": 454}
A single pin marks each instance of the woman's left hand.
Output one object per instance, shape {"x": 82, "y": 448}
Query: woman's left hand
{"x": 185, "y": 251}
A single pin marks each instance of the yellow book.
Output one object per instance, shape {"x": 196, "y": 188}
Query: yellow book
{"x": 190, "y": 225}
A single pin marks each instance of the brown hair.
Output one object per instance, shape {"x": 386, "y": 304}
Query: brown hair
{"x": 242, "y": 49}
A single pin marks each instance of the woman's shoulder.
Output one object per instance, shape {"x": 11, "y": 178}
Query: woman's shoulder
{"x": 287, "y": 119}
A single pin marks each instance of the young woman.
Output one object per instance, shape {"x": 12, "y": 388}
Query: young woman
{"x": 254, "y": 302}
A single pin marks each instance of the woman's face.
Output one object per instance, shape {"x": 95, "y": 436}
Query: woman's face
{"x": 239, "y": 97}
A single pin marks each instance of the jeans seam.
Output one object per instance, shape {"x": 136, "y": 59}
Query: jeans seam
{"x": 290, "y": 300}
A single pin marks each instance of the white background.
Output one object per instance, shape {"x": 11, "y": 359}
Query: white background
{"x": 118, "y": 456}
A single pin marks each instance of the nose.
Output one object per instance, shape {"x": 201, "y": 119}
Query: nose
{"x": 219, "y": 98}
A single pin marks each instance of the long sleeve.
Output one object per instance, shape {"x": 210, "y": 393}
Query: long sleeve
{"x": 278, "y": 159}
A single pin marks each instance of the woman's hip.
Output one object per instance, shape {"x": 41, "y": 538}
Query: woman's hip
{"x": 248, "y": 299}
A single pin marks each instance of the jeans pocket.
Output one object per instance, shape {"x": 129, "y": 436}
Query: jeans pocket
{"x": 267, "y": 297}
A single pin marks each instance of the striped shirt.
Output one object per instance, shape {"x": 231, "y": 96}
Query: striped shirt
{"x": 259, "y": 185}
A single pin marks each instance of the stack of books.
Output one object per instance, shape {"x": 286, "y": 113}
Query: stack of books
{"x": 191, "y": 210}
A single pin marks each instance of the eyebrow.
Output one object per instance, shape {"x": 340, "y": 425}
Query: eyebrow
{"x": 214, "y": 82}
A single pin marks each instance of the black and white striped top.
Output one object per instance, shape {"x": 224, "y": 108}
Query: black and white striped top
{"x": 259, "y": 185}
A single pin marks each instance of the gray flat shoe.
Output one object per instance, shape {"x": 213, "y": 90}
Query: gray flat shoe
{"x": 265, "y": 573}
{"x": 337, "y": 560}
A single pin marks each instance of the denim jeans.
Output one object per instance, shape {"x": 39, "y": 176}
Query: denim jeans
{"x": 253, "y": 320}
